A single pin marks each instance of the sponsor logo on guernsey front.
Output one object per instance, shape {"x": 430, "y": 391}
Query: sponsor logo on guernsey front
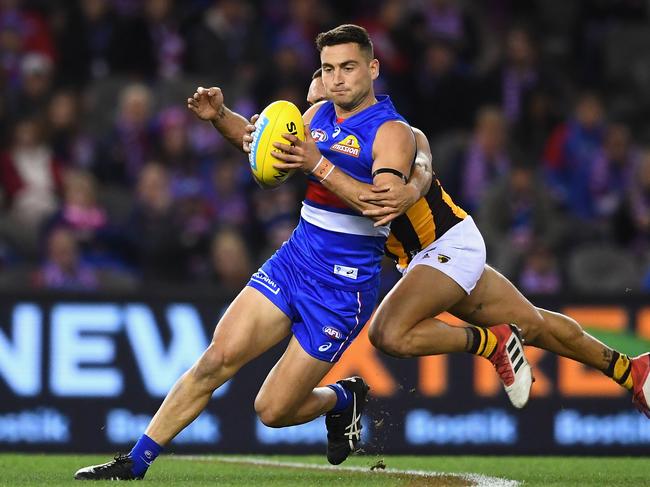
{"x": 349, "y": 272}
{"x": 261, "y": 278}
{"x": 319, "y": 135}
{"x": 349, "y": 145}
{"x": 332, "y": 332}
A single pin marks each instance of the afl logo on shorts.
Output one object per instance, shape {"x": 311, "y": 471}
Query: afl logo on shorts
{"x": 333, "y": 333}
{"x": 319, "y": 135}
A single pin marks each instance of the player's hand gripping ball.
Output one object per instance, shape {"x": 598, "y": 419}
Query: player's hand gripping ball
{"x": 280, "y": 117}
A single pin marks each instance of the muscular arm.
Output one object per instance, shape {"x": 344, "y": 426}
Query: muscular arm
{"x": 231, "y": 125}
{"x": 422, "y": 173}
{"x": 394, "y": 147}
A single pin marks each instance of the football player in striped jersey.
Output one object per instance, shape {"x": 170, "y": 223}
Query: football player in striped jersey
{"x": 405, "y": 324}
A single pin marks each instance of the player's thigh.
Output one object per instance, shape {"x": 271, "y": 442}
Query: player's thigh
{"x": 422, "y": 293}
{"x": 496, "y": 300}
{"x": 292, "y": 379}
{"x": 251, "y": 325}
{"x": 438, "y": 277}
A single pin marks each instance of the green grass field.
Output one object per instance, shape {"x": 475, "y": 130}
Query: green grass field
{"x": 57, "y": 470}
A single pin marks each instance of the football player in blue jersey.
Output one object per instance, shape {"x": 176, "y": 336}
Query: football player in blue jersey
{"x": 494, "y": 300}
{"x": 319, "y": 288}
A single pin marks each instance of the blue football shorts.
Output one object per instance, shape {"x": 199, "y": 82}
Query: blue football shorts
{"x": 325, "y": 320}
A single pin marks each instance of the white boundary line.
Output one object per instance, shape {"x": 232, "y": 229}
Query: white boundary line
{"x": 477, "y": 479}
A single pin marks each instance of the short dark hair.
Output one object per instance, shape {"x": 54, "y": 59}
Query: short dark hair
{"x": 317, "y": 74}
{"x": 344, "y": 34}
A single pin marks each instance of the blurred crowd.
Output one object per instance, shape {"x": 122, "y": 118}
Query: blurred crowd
{"x": 537, "y": 113}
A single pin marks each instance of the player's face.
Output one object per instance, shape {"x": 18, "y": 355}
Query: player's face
{"x": 347, "y": 74}
{"x": 316, "y": 91}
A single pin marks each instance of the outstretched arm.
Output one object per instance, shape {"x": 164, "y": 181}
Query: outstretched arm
{"x": 207, "y": 104}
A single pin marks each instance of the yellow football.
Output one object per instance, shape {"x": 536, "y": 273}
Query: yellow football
{"x": 280, "y": 117}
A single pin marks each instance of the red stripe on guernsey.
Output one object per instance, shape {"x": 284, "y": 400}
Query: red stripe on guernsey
{"x": 320, "y": 195}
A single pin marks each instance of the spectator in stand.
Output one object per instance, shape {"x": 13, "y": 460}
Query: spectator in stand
{"x": 33, "y": 94}
{"x": 153, "y": 231}
{"x": 538, "y": 118}
{"x": 515, "y": 217}
{"x": 227, "y": 33}
{"x": 149, "y": 41}
{"x": 87, "y": 219}
{"x": 639, "y": 204}
{"x": 512, "y": 83}
{"x": 386, "y": 29}
{"x": 230, "y": 262}
{"x": 64, "y": 269}
{"x": 286, "y": 73}
{"x": 132, "y": 139}
{"x": 444, "y": 85}
{"x": 166, "y": 40}
{"x": 448, "y": 19}
{"x": 540, "y": 272}
{"x": 484, "y": 160}
{"x": 71, "y": 146}
{"x": 570, "y": 155}
{"x": 275, "y": 213}
{"x": 225, "y": 192}
{"x": 174, "y": 152}
{"x": 611, "y": 176}
{"x": 87, "y": 36}
{"x": 31, "y": 180}
{"x": 29, "y": 27}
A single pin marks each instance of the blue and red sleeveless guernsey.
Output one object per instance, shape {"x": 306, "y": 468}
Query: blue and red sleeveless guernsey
{"x": 335, "y": 244}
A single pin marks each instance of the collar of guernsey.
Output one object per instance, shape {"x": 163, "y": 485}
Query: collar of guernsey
{"x": 335, "y": 236}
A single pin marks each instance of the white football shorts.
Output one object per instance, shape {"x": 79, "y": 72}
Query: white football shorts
{"x": 459, "y": 253}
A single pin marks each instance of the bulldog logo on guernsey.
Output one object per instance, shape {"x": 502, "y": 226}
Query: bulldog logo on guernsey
{"x": 349, "y": 145}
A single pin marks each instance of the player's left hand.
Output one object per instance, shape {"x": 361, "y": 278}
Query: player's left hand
{"x": 299, "y": 155}
{"x": 392, "y": 200}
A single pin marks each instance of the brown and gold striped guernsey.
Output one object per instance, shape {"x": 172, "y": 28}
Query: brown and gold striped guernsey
{"x": 423, "y": 223}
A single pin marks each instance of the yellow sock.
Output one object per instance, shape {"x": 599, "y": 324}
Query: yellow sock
{"x": 484, "y": 341}
{"x": 620, "y": 369}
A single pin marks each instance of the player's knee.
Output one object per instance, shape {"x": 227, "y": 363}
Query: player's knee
{"x": 388, "y": 341}
{"x": 216, "y": 360}
{"x": 272, "y": 415}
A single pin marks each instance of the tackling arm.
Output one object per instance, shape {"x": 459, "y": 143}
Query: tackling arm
{"x": 422, "y": 174}
{"x": 394, "y": 148}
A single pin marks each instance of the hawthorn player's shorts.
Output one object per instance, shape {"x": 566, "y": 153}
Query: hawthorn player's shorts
{"x": 459, "y": 253}
{"x": 325, "y": 319}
